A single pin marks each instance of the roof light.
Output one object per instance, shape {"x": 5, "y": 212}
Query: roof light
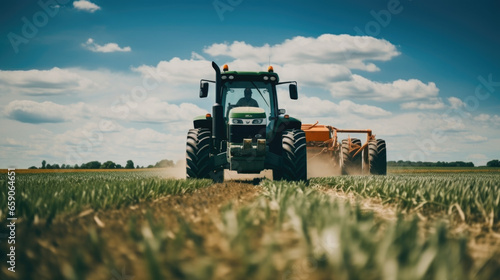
{"x": 223, "y": 77}
{"x": 208, "y": 115}
{"x": 273, "y": 78}
{"x": 270, "y": 69}
{"x": 225, "y": 68}
{"x": 266, "y": 78}
{"x": 231, "y": 77}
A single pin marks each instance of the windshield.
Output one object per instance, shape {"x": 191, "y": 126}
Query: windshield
{"x": 246, "y": 93}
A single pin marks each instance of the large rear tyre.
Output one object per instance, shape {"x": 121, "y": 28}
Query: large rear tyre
{"x": 198, "y": 153}
{"x": 294, "y": 156}
{"x": 377, "y": 157}
{"x": 350, "y": 162}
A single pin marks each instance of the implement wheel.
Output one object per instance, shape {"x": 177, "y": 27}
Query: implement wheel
{"x": 377, "y": 157}
{"x": 349, "y": 163}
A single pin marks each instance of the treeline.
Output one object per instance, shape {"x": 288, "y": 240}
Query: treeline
{"x": 106, "y": 165}
{"x": 401, "y": 163}
{"x": 493, "y": 163}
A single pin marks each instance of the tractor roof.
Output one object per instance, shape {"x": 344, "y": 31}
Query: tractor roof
{"x": 239, "y": 75}
{"x": 249, "y": 73}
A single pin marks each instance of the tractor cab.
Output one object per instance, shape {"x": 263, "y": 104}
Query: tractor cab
{"x": 247, "y": 94}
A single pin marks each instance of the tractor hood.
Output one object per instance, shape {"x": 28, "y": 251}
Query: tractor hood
{"x": 247, "y": 113}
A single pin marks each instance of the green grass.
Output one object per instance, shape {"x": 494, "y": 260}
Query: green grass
{"x": 477, "y": 196}
{"x": 44, "y": 196}
{"x": 434, "y": 169}
{"x": 297, "y": 232}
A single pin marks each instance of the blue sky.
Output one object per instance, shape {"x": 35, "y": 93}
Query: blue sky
{"x": 423, "y": 75}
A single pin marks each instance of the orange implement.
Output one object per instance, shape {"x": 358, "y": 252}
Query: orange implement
{"x": 350, "y": 155}
{"x": 315, "y": 132}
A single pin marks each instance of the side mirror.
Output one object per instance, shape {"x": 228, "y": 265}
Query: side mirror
{"x": 203, "y": 90}
{"x": 281, "y": 111}
{"x": 293, "y": 92}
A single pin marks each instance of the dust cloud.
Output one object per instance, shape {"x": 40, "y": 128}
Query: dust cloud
{"x": 322, "y": 166}
{"x": 176, "y": 172}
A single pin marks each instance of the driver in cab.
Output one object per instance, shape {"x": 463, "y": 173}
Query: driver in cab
{"x": 247, "y": 101}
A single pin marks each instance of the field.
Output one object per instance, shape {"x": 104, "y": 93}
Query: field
{"x": 411, "y": 224}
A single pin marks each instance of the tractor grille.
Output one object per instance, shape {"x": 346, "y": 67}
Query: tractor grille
{"x": 238, "y": 132}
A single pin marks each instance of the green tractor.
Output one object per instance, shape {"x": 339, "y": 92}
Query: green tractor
{"x": 246, "y": 132}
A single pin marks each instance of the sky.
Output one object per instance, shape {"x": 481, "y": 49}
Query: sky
{"x": 119, "y": 80}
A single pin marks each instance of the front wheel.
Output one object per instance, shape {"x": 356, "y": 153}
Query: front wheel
{"x": 294, "y": 156}
{"x": 198, "y": 153}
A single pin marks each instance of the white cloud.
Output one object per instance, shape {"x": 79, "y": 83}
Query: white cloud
{"x": 178, "y": 71}
{"x": 325, "y": 61}
{"x": 311, "y": 107}
{"x": 28, "y": 111}
{"x": 153, "y": 110}
{"x": 476, "y": 138}
{"x": 435, "y": 105}
{"x": 360, "y": 87}
{"x": 351, "y": 51}
{"x": 85, "y": 5}
{"x": 339, "y": 80}
{"x": 107, "y": 48}
{"x": 455, "y": 103}
{"x": 314, "y": 74}
{"x": 196, "y": 56}
{"x": 365, "y": 110}
{"x": 486, "y": 120}
{"x": 87, "y": 143}
{"x": 54, "y": 81}
{"x": 477, "y": 156}
{"x": 482, "y": 118}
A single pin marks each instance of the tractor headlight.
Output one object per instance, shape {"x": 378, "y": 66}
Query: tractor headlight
{"x": 237, "y": 121}
{"x": 258, "y": 121}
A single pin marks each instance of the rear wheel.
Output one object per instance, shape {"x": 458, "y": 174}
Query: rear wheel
{"x": 350, "y": 162}
{"x": 377, "y": 157}
{"x": 198, "y": 153}
{"x": 294, "y": 156}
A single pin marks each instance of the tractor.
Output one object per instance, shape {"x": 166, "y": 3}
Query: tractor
{"x": 247, "y": 131}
